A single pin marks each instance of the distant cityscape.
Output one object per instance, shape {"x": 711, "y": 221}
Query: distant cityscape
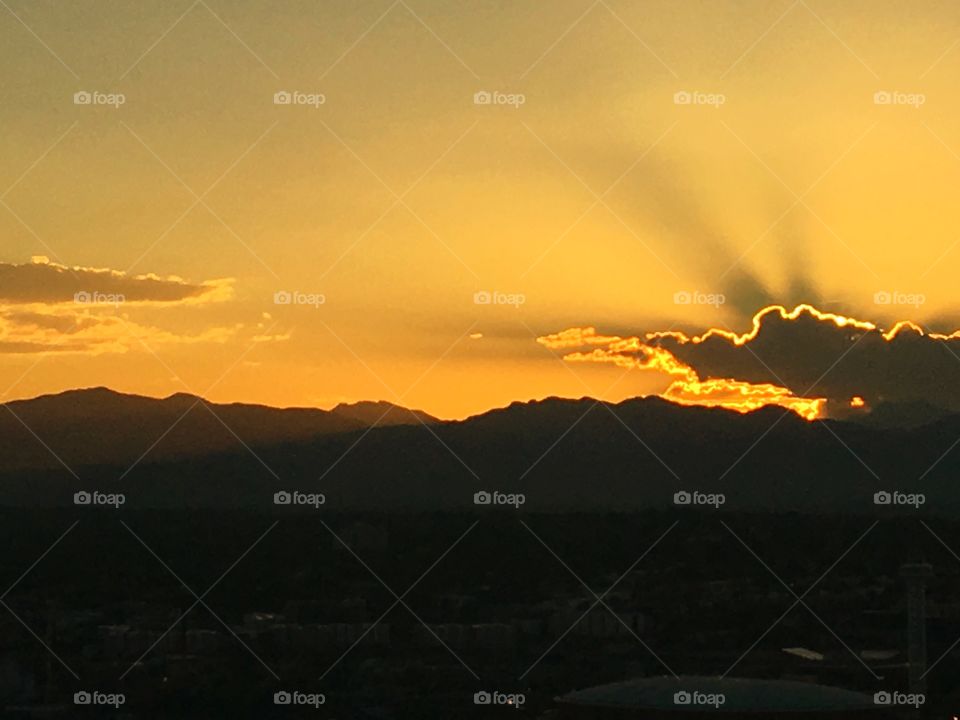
{"x": 474, "y": 633}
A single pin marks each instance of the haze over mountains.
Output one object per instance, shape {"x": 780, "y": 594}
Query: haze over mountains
{"x": 562, "y": 455}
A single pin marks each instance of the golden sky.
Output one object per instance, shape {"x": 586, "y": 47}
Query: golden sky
{"x": 758, "y": 152}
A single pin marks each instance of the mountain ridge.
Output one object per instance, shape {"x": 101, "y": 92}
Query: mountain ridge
{"x": 101, "y": 426}
{"x": 569, "y": 455}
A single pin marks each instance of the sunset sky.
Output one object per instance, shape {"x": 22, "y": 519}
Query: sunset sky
{"x": 816, "y": 162}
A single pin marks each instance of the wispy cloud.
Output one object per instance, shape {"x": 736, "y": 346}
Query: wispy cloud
{"x": 49, "y": 308}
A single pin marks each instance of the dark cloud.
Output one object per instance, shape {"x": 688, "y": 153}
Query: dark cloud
{"x": 50, "y": 283}
{"x": 47, "y": 308}
{"x": 815, "y": 356}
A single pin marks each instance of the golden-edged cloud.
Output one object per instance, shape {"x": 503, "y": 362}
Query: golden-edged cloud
{"x": 686, "y": 385}
{"x": 812, "y": 362}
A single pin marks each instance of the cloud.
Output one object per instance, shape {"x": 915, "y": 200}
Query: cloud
{"x": 791, "y": 358}
{"x": 686, "y": 385}
{"x": 49, "y": 283}
{"x": 91, "y": 333}
{"x": 48, "y": 308}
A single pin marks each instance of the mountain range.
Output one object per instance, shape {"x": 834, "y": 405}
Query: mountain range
{"x": 558, "y": 454}
{"x": 98, "y": 426}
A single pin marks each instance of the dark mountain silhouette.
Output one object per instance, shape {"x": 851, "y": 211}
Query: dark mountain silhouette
{"x": 562, "y": 455}
{"x": 379, "y": 413}
{"x": 908, "y": 414}
{"x": 98, "y": 426}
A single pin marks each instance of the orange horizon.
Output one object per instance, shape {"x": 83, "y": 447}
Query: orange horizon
{"x": 686, "y": 386}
